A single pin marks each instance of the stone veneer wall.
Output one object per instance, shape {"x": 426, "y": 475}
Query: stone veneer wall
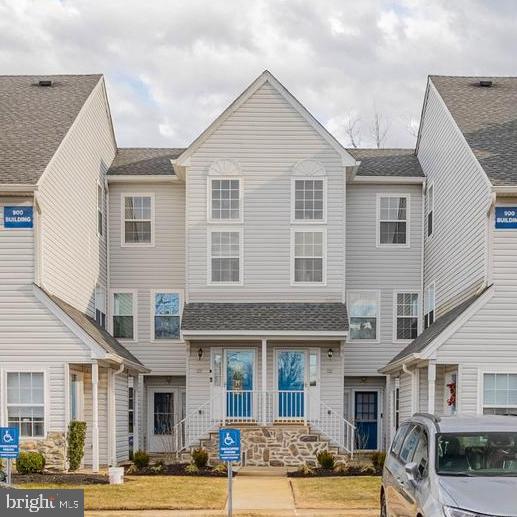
{"x": 277, "y": 446}
{"x": 53, "y": 448}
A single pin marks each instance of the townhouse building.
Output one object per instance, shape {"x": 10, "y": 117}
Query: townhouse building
{"x": 264, "y": 277}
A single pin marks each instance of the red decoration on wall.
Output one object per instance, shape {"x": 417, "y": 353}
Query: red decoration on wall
{"x": 451, "y": 401}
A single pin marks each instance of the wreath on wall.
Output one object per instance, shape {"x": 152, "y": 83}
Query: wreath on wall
{"x": 451, "y": 401}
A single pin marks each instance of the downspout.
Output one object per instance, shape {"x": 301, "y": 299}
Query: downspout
{"x": 413, "y": 394}
{"x": 422, "y": 255}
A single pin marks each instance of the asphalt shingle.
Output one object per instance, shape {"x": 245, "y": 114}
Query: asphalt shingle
{"x": 144, "y": 161}
{"x": 387, "y": 162}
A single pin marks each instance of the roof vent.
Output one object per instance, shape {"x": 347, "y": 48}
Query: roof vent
{"x": 45, "y": 82}
{"x": 485, "y": 84}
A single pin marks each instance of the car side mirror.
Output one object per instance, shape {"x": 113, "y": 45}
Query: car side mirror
{"x": 412, "y": 471}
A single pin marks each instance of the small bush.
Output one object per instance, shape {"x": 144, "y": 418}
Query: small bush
{"x": 341, "y": 468}
{"x": 76, "y": 438}
{"x": 131, "y": 469}
{"x": 368, "y": 470}
{"x": 222, "y": 468}
{"x": 378, "y": 459}
{"x": 192, "y": 469}
{"x": 306, "y": 470}
{"x": 159, "y": 468}
{"x": 326, "y": 459}
{"x": 141, "y": 459}
{"x": 30, "y": 462}
{"x": 200, "y": 458}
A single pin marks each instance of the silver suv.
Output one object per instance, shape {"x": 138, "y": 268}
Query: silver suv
{"x": 452, "y": 467}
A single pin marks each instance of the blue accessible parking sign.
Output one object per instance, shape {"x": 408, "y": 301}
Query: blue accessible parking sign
{"x": 9, "y": 442}
{"x": 229, "y": 445}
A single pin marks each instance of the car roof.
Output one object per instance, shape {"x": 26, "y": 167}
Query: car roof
{"x": 465, "y": 424}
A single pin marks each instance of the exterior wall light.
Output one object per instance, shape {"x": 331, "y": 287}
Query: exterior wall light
{"x": 330, "y": 353}
{"x": 200, "y": 354}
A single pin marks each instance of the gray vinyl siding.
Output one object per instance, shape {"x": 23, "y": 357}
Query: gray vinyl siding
{"x": 74, "y": 257}
{"x": 386, "y": 269}
{"x": 405, "y": 396}
{"x": 455, "y": 255}
{"x": 121, "y": 416}
{"x": 423, "y": 389}
{"x": 267, "y": 137}
{"x": 144, "y": 269}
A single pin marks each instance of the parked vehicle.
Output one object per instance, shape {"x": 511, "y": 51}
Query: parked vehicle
{"x": 452, "y": 467}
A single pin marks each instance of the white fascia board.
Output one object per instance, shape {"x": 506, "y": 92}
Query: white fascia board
{"x": 17, "y": 187}
{"x": 505, "y": 190}
{"x": 142, "y": 178}
{"x": 206, "y": 334}
{"x": 398, "y": 180}
{"x": 266, "y": 76}
{"x": 397, "y": 365}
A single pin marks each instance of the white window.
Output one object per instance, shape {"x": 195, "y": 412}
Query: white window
{"x": 429, "y": 305}
{"x": 225, "y": 257}
{"x": 500, "y": 393}
{"x": 430, "y": 209}
{"x": 225, "y": 199}
{"x": 406, "y": 316}
{"x": 100, "y": 306}
{"x": 363, "y": 311}
{"x": 26, "y": 403}
{"x": 123, "y": 315}
{"x": 309, "y": 200}
{"x": 138, "y": 220}
{"x": 392, "y": 220}
{"x": 100, "y": 210}
{"x": 308, "y": 256}
{"x": 166, "y": 314}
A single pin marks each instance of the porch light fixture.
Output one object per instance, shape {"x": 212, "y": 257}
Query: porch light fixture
{"x": 199, "y": 354}
{"x": 330, "y": 353}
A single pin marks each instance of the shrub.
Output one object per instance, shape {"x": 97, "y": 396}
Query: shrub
{"x": 306, "y": 470}
{"x": 341, "y": 468}
{"x": 30, "y": 462}
{"x": 131, "y": 469}
{"x": 76, "y": 438}
{"x": 200, "y": 458}
{"x": 222, "y": 468}
{"x": 141, "y": 459}
{"x": 378, "y": 459}
{"x": 191, "y": 469}
{"x": 159, "y": 468}
{"x": 326, "y": 459}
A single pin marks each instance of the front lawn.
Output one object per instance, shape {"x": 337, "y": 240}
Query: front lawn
{"x": 349, "y": 493}
{"x": 152, "y": 493}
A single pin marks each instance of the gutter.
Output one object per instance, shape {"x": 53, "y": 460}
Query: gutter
{"x": 142, "y": 178}
{"x": 17, "y": 187}
{"x": 397, "y": 180}
{"x": 505, "y": 190}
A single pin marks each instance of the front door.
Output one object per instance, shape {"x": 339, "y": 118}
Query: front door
{"x": 240, "y": 373}
{"x": 291, "y": 384}
{"x": 163, "y": 411}
{"x": 366, "y": 419}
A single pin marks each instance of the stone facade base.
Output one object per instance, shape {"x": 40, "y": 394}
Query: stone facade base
{"x": 53, "y": 448}
{"x": 277, "y": 446}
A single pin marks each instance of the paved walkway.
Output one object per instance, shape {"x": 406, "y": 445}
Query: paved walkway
{"x": 240, "y": 513}
{"x": 262, "y": 493}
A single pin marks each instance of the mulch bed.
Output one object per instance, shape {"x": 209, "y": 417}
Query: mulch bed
{"x": 178, "y": 469}
{"x": 319, "y": 472}
{"x": 62, "y": 478}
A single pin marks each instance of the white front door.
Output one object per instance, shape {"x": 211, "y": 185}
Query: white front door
{"x": 163, "y": 413}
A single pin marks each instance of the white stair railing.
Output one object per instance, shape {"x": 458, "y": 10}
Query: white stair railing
{"x": 331, "y": 424}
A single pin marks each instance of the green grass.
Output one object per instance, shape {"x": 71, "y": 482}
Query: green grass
{"x": 152, "y": 493}
{"x": 350, "y": 493}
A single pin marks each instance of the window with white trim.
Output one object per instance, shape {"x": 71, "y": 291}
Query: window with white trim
{"x": 100, "y": 210}
{"x": 123, "y": 317}
{"x": 392, "y": 216}
{"x": 406, "y": 311}
{"x": 309, "y": 259}
{"x": 26, "y": 403}
{"x": 429, "y": 305}
{"x": 500, "y": 393}
{"x": 363, "y": 310}
{"x": 225, "y": 199}
{"x": 430, "y": 209}
{"x": 225, "y": 258}
{"x": 138, "y": 220}
{"x": 309, "y": 199}
{"x": 167, "y": 314}
{"x": 100, "y": 306}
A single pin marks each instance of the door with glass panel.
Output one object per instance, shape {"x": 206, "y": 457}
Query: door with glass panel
{"x": 290, "y": 384}
{"x": 240, "y": 374}
{"x": 164, "y": 410}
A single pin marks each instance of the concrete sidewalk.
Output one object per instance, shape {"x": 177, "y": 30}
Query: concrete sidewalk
{"x": 262, "y": 493}
{"x": 240, "y": 513}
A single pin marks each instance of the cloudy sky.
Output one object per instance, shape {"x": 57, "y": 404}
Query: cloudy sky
{"x": 173, "y": 65}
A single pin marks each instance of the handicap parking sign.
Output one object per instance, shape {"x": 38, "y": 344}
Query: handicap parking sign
{"x": 229, "y": 445}
{"x": 9, "y": 442}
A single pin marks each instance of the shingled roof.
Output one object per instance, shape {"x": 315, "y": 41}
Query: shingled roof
{"x": 487, "y": 117}
{"x": 387, "y": 162}
{"x": 144, "y": 161}
{"x": 35, "y": 119}
{"x": 303, "y": 317}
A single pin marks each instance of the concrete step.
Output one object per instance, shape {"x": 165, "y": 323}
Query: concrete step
{"x": 263, "y": 471}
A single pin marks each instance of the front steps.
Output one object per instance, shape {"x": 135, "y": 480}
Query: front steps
{"x": 281, "y": 445}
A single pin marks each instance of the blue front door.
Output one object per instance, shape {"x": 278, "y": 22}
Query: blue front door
{"x": 291, "y": 380}
{"x": 366, "y": 420}
{"x": 239, "y": 383}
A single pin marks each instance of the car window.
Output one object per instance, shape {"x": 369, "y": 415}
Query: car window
{"x": 399, "y": 438}
{"x": 409, "y": 445}
{"x": 421, "y": 456}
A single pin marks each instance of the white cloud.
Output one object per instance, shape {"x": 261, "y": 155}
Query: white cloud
{"x": 171, "y": 66}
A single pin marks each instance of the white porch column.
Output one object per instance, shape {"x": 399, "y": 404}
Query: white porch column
{"x": 431, "y": 382}
{"x": 264, "y": 381}
{"x": 95, "y": 417}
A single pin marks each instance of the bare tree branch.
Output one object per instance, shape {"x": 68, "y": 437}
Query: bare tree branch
{"x": 352, "y": 129}
{"x": 379, "y": 128}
